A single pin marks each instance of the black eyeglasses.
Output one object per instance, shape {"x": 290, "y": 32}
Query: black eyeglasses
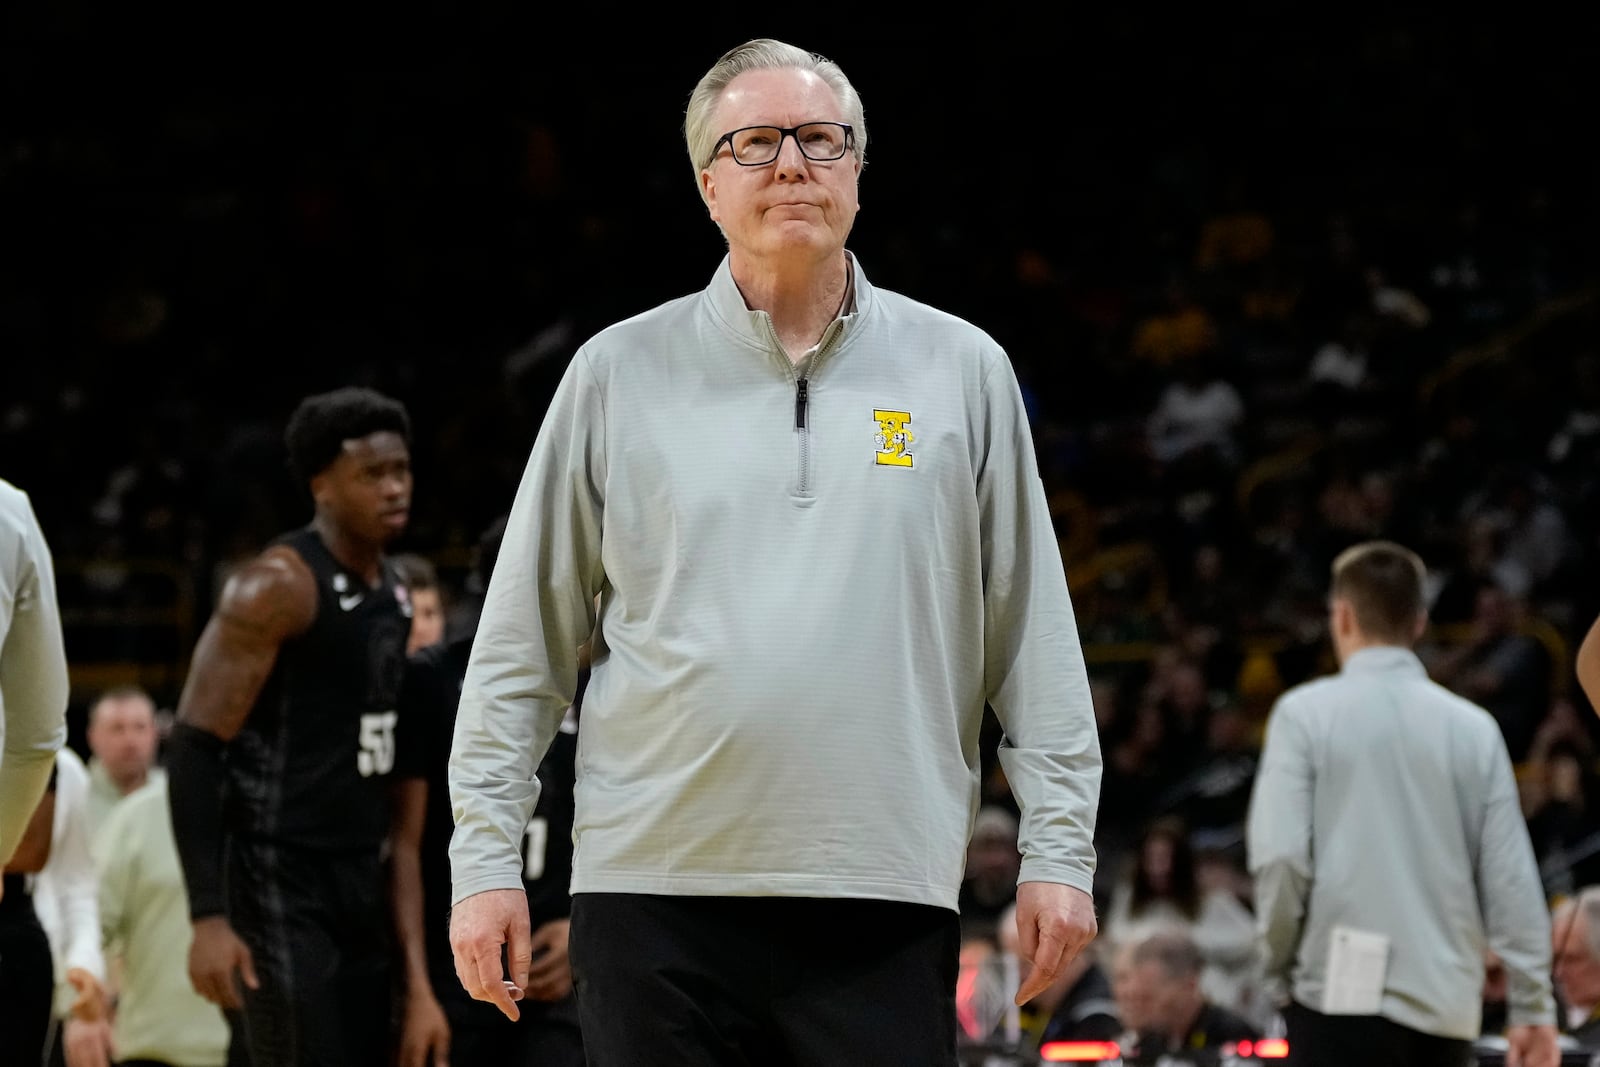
{"x": 756, "y": 146}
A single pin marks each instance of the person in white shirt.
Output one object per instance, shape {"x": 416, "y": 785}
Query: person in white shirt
{"x": 66, "y": 895}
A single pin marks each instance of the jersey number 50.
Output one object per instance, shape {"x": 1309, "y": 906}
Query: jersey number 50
{"x": 377, "y": 744}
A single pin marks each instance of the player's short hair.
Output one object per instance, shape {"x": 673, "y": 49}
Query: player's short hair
{"x": 323, "y": 422}
{"x": 1385, "y": 585}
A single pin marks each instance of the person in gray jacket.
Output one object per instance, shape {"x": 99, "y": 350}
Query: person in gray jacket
{"x": 801, "y": 517}
{"x": 33, "y": 666}
{"x": 1389, "y": 851}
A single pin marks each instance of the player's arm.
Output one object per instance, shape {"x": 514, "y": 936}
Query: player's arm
{"x": 266, "y": 602}
{"x": 426, "y": 1031}
{"x": 1588, "y": 664}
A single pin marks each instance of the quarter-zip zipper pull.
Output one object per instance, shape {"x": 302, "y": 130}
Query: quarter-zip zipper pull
{"x": 800, "y": 404}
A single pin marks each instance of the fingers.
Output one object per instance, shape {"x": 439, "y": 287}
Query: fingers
{"x": 217, "y": 986}
{"x": 413, "y": 1053}
{"x": 1047, "y": 961}
{"x": 519, "y": 950}
{"x": 247, "y": 967}
{"x": 495, "y": 990}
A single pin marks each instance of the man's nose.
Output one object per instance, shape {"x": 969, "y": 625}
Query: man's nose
{"x": 791, "y": 162}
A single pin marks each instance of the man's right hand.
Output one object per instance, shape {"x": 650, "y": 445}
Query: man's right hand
{"x": 1532, "y": 1046}
{"x": 479, "y": 926}
{"x": 216, "y": 954}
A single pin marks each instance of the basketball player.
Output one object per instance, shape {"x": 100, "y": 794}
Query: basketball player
{"x": 280, "y": 762}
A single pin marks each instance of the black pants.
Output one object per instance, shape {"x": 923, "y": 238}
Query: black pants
{"x": 774, "y": 981}
{"x": 546, "y": 1035}
{"x": 316, "y": 924}
{"x": 27, "y": 978}
{"x": 1318, "y": 1040}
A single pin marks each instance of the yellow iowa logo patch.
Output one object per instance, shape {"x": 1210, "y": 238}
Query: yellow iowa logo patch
{"x": 894, "y": 438}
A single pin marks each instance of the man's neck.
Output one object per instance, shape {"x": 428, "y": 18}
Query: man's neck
{"x": 801, "y": 297}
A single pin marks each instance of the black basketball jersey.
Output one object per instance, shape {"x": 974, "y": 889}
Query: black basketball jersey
{"x": 311, "y": 766}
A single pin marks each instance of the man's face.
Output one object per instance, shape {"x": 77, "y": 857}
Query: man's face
{"x": 1136, "y": 998}
{"x": 1577, "y": 973}
{"x": 122, "y": 736}
{"x": 367, "y": 490}
{"x": 1170, "y": 999}
{"x": 793, "y": 207}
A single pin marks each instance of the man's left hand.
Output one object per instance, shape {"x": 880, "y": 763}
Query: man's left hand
{"x": 1054, "y": 923}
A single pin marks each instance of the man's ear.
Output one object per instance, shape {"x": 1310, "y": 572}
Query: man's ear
{"x": 1420, "y": 628}
{"x": 1342, "y": 617}
{"x": 708, "y": 193}
{"x": 319, "y": 487}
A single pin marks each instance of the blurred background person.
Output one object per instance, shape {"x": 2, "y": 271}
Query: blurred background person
{"x": 426, "y": 593}
{"x": 1161, "y": 889}
{"x": 1167, "y": 1014}
{"x": 123, "y": 745}
{"x": 159, "y": 1020}
{"x": 1575, "y": 947}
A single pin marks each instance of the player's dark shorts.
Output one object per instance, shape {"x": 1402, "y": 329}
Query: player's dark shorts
{"x": 317, "y": 925}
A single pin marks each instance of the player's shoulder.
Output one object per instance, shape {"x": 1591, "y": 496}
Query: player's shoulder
{"x": 277, "y": 583}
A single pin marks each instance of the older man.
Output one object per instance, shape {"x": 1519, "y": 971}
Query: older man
{"x": 811, "y": 513}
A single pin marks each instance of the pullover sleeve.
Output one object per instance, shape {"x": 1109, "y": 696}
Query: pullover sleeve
{"x": 33, "y": 667}
{"x": 1278, "y": 843}
{"x": 1515, "y": 915}
{"x": 539, "y": 608}
{"x": 1034, "y": 671}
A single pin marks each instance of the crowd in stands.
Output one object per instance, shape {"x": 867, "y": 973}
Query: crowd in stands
{"x": 1256, "y": 322}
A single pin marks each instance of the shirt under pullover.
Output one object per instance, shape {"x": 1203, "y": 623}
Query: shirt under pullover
{"x": 810, "y": 579}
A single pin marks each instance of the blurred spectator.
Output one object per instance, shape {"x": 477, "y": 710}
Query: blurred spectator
{"x": 66, "y": 894}
{"x": 1561, "y": 799}
{"x": 993, "y": 864}
{"x": 1498, "y": 667}
{"x": 420, "y": 579}
{"x": 1161, "y": 1002}
{"x": 1214, "y": 796}
{"x": 1575, "y": 947}
{"x": 144, "y": 918}
{"x": 1180, "y": 329}
{"x": 1161, "y": 890}
{"x": 123, "y": 741}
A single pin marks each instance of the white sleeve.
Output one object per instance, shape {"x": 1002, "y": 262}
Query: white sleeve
{"x": 66, "y": 891}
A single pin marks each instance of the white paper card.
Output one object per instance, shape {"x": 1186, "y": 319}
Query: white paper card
{"x": 1357, "y": 960}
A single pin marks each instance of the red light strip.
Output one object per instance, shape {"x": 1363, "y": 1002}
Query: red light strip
{"x": 1079, "y": 1051}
